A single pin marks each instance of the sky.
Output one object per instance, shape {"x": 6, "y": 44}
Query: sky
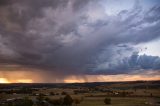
{"x": 52, "y": 41}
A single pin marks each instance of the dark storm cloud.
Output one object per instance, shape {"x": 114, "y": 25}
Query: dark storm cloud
{"x": 130, "y": 64}
{"x": 4, "y": 2}
{"x": 76, "y": 37}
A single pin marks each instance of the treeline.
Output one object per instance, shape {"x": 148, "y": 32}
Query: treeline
{"x": 18, "y": 91}
{"x": 67, "y": 100}
{"x": 137, "y": 84}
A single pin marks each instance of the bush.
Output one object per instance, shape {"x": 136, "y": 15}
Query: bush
{"x": 56, "y": 102}
{"x": 77, "y": 101}
{"x": 82, "y": 98}
{"x": 27, "y": 102}
{"x": 52, "y": 93}
{"x": 124, "y": 94}
{"x": 107, "y": 100}
{"x": 20, "y": 102}
{"x": 67, "y": 100}
{"x": 47, "y": 99}
{"x": 63, "y": 93}
{"x": 40, "y": 99}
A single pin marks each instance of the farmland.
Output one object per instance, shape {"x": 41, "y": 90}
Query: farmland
{"x": 139, "y": 93}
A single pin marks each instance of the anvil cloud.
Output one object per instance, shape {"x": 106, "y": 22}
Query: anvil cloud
{"x": 78, "y": 37}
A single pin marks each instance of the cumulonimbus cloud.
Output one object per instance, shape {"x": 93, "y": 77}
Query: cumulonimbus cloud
{"x": 76, "y": 37}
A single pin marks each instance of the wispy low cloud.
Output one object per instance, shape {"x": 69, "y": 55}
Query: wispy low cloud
{"x": 66, "y": 37}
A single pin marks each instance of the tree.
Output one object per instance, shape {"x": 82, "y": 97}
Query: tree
{"x": 63, "y": 93}
{"x": 40, "y": 99}
{"x": 21, "y": 102}
{"x": 55, "y": 102}
{"x": 52, "y": 93}
{"x": 27, "y": 102}
{"x": 77, "y": 101}
{"x": 67, "y": 100}
{"x": 107, "y": 100}
{"x": 124, "y": 94}
{"x": 82, "y": 98}
{"x": 2, "y": 96}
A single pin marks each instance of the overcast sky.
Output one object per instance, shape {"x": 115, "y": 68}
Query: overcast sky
{"x": 56, "y": 39}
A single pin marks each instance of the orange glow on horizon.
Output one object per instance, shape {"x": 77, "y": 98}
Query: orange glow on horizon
{"x": 4, "y": 80}
{"x": 27, "y": 76}
{"x": 88, "y": 78}
{"x": 25, "y": 81}
{"x": 74, "y": 81}
{"x": 109, "y": 78}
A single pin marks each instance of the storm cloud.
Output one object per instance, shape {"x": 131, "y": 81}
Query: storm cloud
{"x": 77, "y": 36}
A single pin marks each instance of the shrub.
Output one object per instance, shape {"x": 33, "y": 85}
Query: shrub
{"x": 47, "y": 99}
{"x": 20, "y": 102}
{"x": 40, "y": 99}
{"x": 52, "y": 93}
{"x": 27, "y": 102}
{"x": 63, "y": 93}
{"x": 77, "y": 101}
{"x": 67, "y": 100}
{"x": 107, "y": 100}
{"x": 82, "y": 98}
{"x": 56, "y": 102}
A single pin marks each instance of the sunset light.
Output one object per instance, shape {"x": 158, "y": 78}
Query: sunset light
{"x": 24, "y": 81}
{"x": 79, "y": 52}
{"x": 53, "y": 41}
{"x": 3, "y": 80}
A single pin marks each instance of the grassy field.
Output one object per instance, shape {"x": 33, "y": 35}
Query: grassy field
{"x": 95, "y": 97}
{"x": 115, "y": 101}
{"x": 119, "y": 101}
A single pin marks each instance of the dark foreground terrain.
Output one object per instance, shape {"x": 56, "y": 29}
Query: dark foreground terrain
{"x": 136, "y": 93}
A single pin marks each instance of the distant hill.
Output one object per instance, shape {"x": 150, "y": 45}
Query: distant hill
{"x": 127, "y": 84}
